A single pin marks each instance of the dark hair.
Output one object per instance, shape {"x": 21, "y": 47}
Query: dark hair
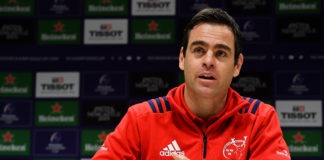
{"x": 214, "y": 16}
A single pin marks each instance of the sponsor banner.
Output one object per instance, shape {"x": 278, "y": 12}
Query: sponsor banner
{"x": 301, "y": 29}
{"x": 57, "y": 84}
{"x": 248, "y": 6}
{"x": 298, "y": 7}
{"x": 151, "y": 84}
{"x": 106, "y": 7}
{"x": 153, "y": 7}
{"x": 59, "y": 8}
{"x": 16, "y": 31}
{"x": 15, "y": 142}
{"x": 59, "y": 31}
{"x": 91, "y": 141}
{"x": 85, "y": 159}
{"x": 56, "y": 113}
{"x": 255, "y": 30}
{"x": 17, "y": 7}
{"x": 15, "y": 113}
{"x": 253, "y": 84}
{"x": 299, "y": 113}
{"x": 298, "y": 84}
{"x": 105, "y": 31}
{"x": 191, "y": 7}
{"x": 109, "y": 84}
{"x": 153, "y": 31}
{"x": 304, "y": 142}
{"x": 15, "y": 84}
{"x": 59, "y": 142}
{"x": 107, "y": 113}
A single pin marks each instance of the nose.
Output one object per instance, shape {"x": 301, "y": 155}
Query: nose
{"x": 209, "y": 60}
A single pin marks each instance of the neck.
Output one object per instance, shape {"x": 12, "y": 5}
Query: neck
{"x": 204, "y": 107}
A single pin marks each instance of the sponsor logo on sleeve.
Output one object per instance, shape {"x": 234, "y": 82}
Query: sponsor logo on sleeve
{"x": 57, "y": 84}
{"x": 153, "y": 7}
{"x": 105, "y": 31}
{"x": 299, "y": 113}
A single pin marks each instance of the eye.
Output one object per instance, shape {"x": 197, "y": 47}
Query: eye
{"x": 221, "y": 53}
{"x": 199, "y": 50}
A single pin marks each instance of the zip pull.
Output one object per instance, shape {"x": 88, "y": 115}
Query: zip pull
{"x": 205, "y": 146}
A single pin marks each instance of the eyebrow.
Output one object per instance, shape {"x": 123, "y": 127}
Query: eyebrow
{"x": 222, "y": 46}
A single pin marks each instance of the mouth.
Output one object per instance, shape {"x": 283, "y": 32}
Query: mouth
{"x": 207, "y": 77}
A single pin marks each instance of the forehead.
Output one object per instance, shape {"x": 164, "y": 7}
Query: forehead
{"x": 212, "y": 34}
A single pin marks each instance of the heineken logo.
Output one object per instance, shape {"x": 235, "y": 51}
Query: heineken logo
{"x": 152, "y": 26}
{"x": 304, "y": 143}
{"x": 51, "y": 113}
{"x": 102, "y": 136}
{"x": 56, "y": 108}
{"x": 10, "y": 79}
{"x": 12, "y": 143}
{"x": 15, "y": 6}
{"x": 301, "y": 6}
{"x": 58, "y": 27}
{"x": 105, "y": 1}
{"x": 299, "y": 138}
{"x": 298, "y": 6}
{"x": 13, "y": 84}
{"x": 7, "y": 137}
{"x": 108, "y": 7}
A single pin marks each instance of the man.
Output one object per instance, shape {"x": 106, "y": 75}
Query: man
{"x": 202, "y": 118}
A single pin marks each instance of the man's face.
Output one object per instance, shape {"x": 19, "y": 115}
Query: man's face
{"x": 209, "y": 62}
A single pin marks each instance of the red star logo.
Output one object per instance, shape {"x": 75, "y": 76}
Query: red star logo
{"x": 102, "y": 137}
{"x": 10, "y": 79}
{"x": 152, "y": 26}
{"x": 299, "y": 138}
{"x": 56, "y": 108}
{"x": 12, "y": 1}
{"x": 7, "y": 137}
{"x": 105, "y": 1}
{"x": 59, "y": 26}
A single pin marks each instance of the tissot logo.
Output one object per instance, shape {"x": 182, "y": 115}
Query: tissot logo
{"x": 153, "y": 7}
{"x": 105, "y": 31}
{"x": 56, "y": 84}
{"x": 299, "y": 113}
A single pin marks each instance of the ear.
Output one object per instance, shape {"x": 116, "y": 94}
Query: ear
{"x": 238, "y": 66}
{"x": 181, "y": 59}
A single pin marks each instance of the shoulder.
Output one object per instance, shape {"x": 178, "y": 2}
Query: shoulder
{"x": 257, "y": 107}
{"x": 151, "y": 106}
